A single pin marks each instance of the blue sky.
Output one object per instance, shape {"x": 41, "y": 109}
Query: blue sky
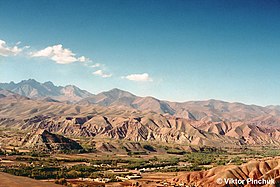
{"x": 174, "y": 50}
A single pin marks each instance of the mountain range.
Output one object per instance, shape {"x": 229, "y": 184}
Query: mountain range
{"x": 120, "y": 115}
{"x": 210, "y": 110}
{"x": 33, "y": 89}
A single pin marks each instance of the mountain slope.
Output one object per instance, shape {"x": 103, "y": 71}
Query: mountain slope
{"x": 6, "y": 94}
{"x": 109, "y": 98}
{"x": 8, "y": 180}
{"x": 33, "y": 89}
{"x": 105, "y": 122}
{"x": 217, "y": 110}
{"x": 45, "y": 141}
{"x": 256, "y": 169}
{"x": 131, "y": 125}
{"x": 203, "y": 111}
{"x": 210, "y": 110}
{"x": 117, "y": 98}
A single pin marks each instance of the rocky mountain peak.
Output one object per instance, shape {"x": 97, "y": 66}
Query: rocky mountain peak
{"x": 33, "y": 89}
{"x": 117, "y": 93}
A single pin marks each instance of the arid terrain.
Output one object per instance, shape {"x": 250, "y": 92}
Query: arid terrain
{"x": 266, "y": 169}
{"x": 68, "y": 136}
{"x": 16, "y": 181}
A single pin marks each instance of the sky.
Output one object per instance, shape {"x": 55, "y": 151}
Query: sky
{"x": 177, "y": 50}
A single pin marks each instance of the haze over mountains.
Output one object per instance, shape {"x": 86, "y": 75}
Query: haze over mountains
{"x": 210, "y": 110}
{"x": 33, "y": 89}
{"x": 120, "y": 115}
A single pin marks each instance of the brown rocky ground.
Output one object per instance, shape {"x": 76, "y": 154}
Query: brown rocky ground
{"x": 7, "y": 180}
{"x": 255, "y": 169}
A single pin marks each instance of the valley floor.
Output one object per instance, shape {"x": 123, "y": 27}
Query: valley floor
{"x": 154, "y": 169}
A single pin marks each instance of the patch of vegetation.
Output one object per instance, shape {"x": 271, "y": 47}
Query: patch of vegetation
{"x": 199, "y": 158}
{"x": 176, "y": 151}
{"x": 137, "y": 153}
{"x": 149, "y": 148}
{"x": 2, "y": 152}
{"x": 237, "y": 161}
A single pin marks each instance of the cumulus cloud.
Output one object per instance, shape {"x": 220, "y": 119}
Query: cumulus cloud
{"x": 59, "y": 54}
{"x": 139, "y": 77}
{"x": 101, "y": 74}
{"x": 6, "y": 50}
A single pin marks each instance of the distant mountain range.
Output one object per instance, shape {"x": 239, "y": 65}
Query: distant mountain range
{"x": 33, "y": 89}
{"x": 210, "y": 110}
{"x": 117, "y": 114}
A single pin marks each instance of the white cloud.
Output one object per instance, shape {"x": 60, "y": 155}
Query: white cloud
{"x": 138, "y": 77}
{"x": 59, "y": 54}
{"x": 10, "y": 51}
{"x": 102, "y": 74}
{"x": 83, "y": 59}
{"x": 95, "y": 65}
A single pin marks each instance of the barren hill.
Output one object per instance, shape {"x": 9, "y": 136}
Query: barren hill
{"x": 129, "y": 124}
{"x": 45, "y": 141}
{"x": 255, "y": 169}
{"x": 8, "y": 180}
{"x": 104, "y": 122}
